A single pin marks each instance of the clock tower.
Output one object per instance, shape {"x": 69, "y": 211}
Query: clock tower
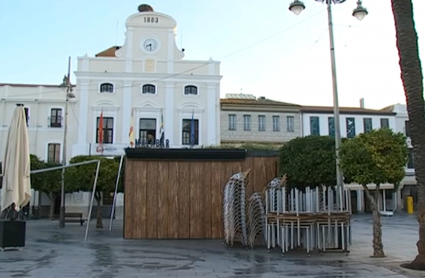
{"x": 150, "y": 39}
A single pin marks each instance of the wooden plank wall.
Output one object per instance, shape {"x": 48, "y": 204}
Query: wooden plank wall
{"x": 177, "y": 199}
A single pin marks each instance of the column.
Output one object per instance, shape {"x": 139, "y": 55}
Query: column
{"x": 169, "y": 113}
{"x": 83, "y": 112}
{"x": 171, "y": 47}
{"x": 81, "y": 147}
{"x": 126, "y": 112}
{"x": 212, "y": 116}
{"x": 129, "y": 50}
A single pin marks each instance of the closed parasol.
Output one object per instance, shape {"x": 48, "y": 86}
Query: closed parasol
{"x": 16, "y": 185}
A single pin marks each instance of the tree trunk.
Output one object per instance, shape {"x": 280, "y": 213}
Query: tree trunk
{"x": 99, "y": 222}
{"x": 37, "y": 216}
{"x": 411, "y": 75}
{"x": 52, "y": 205}
{"x": 378, "y": 247}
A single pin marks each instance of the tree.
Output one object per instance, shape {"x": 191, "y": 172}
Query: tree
{"x": 378, "y": 157}
{"x": 47, "y": 182}
{"x": 81, "y": 178}
{"x": 51, "y": 184}
{"x": 309, "y": 161}
{"x": 412, "y": 78}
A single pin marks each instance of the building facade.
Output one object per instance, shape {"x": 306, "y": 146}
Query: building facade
{"x": 147, "y": 78}
{"x": 247, "y": 119}
{"x": 44, "y": 107}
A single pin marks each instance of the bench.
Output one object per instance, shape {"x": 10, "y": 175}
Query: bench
{"x": 74, "y": 217}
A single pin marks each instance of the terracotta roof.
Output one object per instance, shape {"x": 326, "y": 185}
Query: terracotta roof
{"x": 259, "y": 101}
{"x": 30, "y": 85}
{"x": 344, "y": 110}
{"x": 110, "y": 52}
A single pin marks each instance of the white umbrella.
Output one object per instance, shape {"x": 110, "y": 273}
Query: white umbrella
{"x": 16, "y": 187}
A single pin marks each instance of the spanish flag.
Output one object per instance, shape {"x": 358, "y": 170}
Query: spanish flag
{"x": 100, "y": 129}
{"x": 131, "y": 132}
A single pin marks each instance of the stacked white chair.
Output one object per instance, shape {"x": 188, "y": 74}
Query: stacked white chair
{"x": 256, "y": 220}
{"x": 234, "y": 209}
{"x": 310, "y": 219}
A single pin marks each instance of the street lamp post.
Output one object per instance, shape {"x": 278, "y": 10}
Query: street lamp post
{"x": 69, "y": 95}
{"x": 297, "y": 7}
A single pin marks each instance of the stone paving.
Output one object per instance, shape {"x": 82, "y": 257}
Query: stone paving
{"x": 54, "y": 252}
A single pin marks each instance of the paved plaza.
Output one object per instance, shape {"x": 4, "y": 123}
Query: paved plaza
{"x": 54, "y": 252}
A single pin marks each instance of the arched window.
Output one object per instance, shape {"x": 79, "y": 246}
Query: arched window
{"x": 190, "y": 90}
{"x": 106, "y": 88}
{"x": 148, "y": 89}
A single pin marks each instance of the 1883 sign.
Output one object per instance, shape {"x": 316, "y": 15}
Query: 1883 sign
{"x": 151, "y": 19}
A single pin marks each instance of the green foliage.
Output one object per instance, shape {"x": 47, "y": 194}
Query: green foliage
{"x": 81, "y": 178}
{"x": 378, "y": 156}
{"x": 247, "y": 146}
{"x": 120, "y": 183}
{"x": 309, "y": 161}
{"x": 37, "y": 182}
{"x": 52, "y": 179}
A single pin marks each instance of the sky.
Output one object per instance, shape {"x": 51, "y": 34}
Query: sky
{"x": 264, "y": 48}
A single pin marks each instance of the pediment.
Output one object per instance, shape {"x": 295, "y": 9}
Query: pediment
{"x": 106, "y": 105}
{"x": 190, "y": 107}
{"x": 148, "y": 104}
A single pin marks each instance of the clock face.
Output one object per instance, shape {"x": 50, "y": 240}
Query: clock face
{"x": 150, "y": 45}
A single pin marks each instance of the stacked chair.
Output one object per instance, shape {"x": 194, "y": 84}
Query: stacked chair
{"x": 287, "y": 218}
{"x": 256, "y": 220}
{"x": 234, "y": 209}
{"x": 310, "y": 219}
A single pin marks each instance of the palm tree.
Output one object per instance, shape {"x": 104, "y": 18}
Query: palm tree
{"x": 412, "y": 78}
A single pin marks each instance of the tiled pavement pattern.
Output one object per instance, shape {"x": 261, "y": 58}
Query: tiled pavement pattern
{"x": 54, "y": 252}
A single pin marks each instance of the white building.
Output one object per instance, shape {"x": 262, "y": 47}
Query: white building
{"x": 44, "y": 106}
{"x": 147, "y": 76}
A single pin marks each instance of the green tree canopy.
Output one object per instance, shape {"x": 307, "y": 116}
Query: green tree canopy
{"x": 52, "y": 179}
{"x": 82, "y": 177}
{"x": 378, "y": 156}
{"x": 37, "y": 182}
{"x": 309, "y": 161}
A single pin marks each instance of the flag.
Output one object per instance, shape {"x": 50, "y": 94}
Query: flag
{"x": 100, "y": 130}
{"x": 99, "y": 148}
{"x": 162, "y": 131}
{"x": 192, "y": 131}
{"x": 131, "y": 132}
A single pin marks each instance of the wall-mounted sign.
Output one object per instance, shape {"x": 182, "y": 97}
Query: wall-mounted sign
{"x": 142, "y": 143}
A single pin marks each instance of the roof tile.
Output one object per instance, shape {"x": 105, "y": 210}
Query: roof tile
{"x": 110, "y": 52}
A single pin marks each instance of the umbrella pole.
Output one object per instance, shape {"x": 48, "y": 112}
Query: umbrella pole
{"x": 115, "y": 193}
{"x": 92, "y": 199}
